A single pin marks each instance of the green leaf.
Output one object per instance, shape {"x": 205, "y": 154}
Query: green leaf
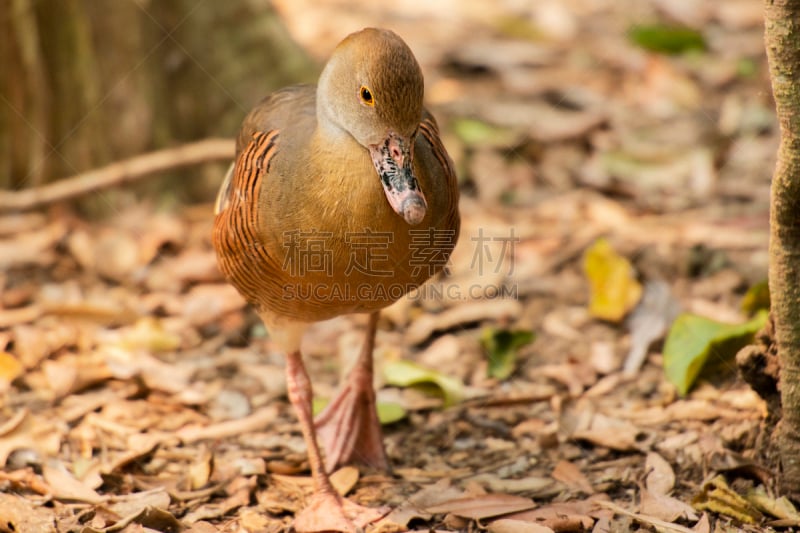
{"x": 613, "y": 285}
{"x": 391, "y": 412}
{"x": 407, "y": 374}
{"x": 318, "y": 405}
{"x": 388, "y": 412}
{"x": 692, "y": 339}
{"x": 474, "y": 132}
{"x": 756, "y": 298}
{"x": 501, "y": 347}
{"x": 519, "y": 28}
{"x": 667, "y": 39}
{"x": 746, "y": 68}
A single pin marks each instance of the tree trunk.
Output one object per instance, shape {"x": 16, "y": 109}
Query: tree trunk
{"x": 782, "y": 38}
{"x": 85, "y": 82}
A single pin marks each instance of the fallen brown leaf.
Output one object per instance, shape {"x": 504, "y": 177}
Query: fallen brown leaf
{"x": 569, "y": 474}
{"x": 31, "y": 247}
{"x": 10, "y": 369}
{"x": 660, "y": 477}
{"x": 434, "y": 494}
{"x": 134, "y": 504}
{"x": 508, "y": 525}
{"x": 423, "y": 327}
{"x": 566, "y": 516}
{"x": 664, "y": 507}
{"x": 253, "y": 422}
{"x": 200, "y": 469}
{"x": 344, "y": 479}
{"x": 653, "y": 521}
{"x": 20, "y": 515}
{"x": 528, "y": 484}
{"x": 34, "y": 432}
{"x": 66, "y": 487}
{"x": 612, "y": 433}
{"x": 484, "y": 506}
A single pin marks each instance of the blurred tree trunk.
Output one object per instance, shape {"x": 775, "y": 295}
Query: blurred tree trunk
{"x": 84, "y": 82}
{"x": 782, "y": 38}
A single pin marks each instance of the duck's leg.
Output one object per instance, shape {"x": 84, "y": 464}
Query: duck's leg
{"x": 349, "y": 426}
{"x": 327, "y": 510}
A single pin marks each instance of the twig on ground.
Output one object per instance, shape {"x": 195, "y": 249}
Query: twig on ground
{"x": 117, "y": 173}
{"x": 650, "y": 520}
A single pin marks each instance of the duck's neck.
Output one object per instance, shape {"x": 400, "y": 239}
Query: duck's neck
{"x": 335, "y": 152}
{"x": 346, "y": 184}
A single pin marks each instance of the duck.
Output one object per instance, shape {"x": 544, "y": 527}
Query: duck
{"x": 341, "y": 199}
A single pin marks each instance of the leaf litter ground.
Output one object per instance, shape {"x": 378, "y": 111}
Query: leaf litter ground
{"x": 141, "y": 394}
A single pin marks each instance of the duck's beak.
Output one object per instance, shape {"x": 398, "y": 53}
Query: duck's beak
{"x": 392, "y": 159}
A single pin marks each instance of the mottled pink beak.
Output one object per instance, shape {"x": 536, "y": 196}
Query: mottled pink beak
{"x": 392, "y": 159}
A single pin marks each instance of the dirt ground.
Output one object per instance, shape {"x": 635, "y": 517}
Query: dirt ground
{"x": 140, "y": 393}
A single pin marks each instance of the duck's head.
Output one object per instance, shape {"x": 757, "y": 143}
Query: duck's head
{"x": 372, "y": 88}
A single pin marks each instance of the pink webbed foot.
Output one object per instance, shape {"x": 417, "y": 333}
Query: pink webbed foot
{"x": 349, "y": 427}
{"x": 350, "y": 431}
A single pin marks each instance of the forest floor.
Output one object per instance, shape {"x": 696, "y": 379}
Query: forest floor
{"x": 140, "y": 393}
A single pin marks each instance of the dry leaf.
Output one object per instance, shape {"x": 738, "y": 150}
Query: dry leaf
{"x": 781, "y": 507}
{"x": 344, "y": 479}
{"x": 484, "y": 506}
{"x": 22, "y": 315}
{"x": 650, "y": 520}
{"x": 134, "y": 504}
{"x": 160, "y": 229}
{"x": 149, "y": 333}
{"x": 253, "y": 521}
{"x": 572, "y": 375}
{"x": 202, "y": 527}
{"x": 566, "y": 516}
{"x": 649, "y": 322}
{"x": 18, "y": 515}
{"x": 664, "y": 507}
{"x": 66, "y": 487}
{"x": 612, "y": 433}
{"x": 703, "y": 525}
{"x": 716, "y": 496}
{"x": 36, "y": 433}
{"x": 191, "y": 266}
{"x": 200, "y": 469}
{"x": 204, "y": 304}
{"x": 507, "y": 525}
{"x": 255, "y": 421}
{"x": 528, "y": 484}
{"x": 12, "y": 423}
{"x": 120, "y": 253}
{"x": 570, "y": 475}
{"x": 10, "y": 369}
{"x": 614, "y": 288}
{"x": 31, "y": 247}
{"x": 467, "y": 312}
{"x": 660, "y": 477}
{"x": 439, "y": 492}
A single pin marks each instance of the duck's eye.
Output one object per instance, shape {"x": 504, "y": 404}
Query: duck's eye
{"x": 366, "y": 96}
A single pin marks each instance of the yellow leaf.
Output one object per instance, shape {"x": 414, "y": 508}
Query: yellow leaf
{"x": 612, "y": 281}
{"x": 717, "y": 497}
{"x": 10, "y": 369}
{"x": 148, "y": 333}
